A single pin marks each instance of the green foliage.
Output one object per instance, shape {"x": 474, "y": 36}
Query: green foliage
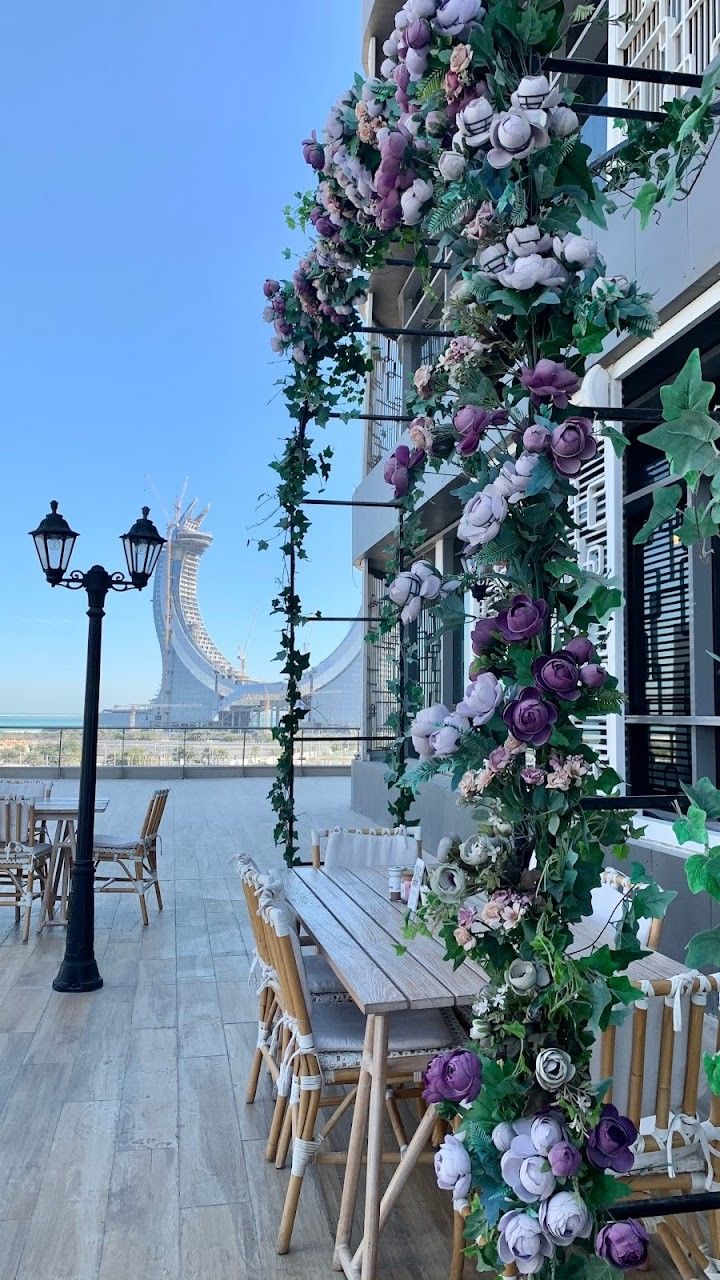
{"x": 664, "y": 507}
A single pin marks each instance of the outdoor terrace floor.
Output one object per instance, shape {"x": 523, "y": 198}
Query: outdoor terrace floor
{"x": 126, "y": 1146}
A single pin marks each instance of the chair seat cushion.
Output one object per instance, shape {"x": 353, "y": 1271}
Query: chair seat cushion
{"x": 115, "y": 844}
{"x": 321, "y": 979}
{"x": 339, "y": 1029}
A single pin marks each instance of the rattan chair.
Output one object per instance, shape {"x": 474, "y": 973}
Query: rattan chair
{"x": 23, "y": 860}
{"x": 365, "y": 846}
{"x": 324, "y": 1046}
{"x": 655, "y": 1059}
{"x": 132, "y": 858}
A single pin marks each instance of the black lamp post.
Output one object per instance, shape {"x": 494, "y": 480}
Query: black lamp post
{"x": 54, "y": 541}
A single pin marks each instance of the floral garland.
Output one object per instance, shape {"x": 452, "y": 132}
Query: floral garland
{"x": 461, "y": 143}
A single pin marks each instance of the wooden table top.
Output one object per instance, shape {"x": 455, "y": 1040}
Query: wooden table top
{"x": 65, "y": 807}
{"x": 350, "y": 917}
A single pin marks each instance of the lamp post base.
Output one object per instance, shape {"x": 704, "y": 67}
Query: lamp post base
{"x": 78, "y": 975}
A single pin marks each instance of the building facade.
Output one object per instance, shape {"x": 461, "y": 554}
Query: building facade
{"x": 662, "y": 644}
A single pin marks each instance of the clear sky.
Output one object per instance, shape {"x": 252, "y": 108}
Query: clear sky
{"x": 147, "y": 151}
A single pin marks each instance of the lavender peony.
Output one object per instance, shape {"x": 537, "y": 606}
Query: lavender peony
{"x": 424, "y": 724}
{"x": 482, "y": 698}
{"x": 482, "y": 517}
{"x": 454, "y": 15}
{"x": 546, "y": 1131}
{"x": 313, "y": 152}
{"x": 565, "y": 1218}
{"x": 529, "y": 718}
{"x": 536, "y": 438}
{"x": 453, "y": 1170}
{"x": 522, "y": 1242}
{"x": 527, "y": 1172}
{"x": 453, "y": 1076}
{"x": 398, "y": 467}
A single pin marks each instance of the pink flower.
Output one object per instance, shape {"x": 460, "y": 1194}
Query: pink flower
{"x": 422, "y": 379}
{"x": 421, "y": 433}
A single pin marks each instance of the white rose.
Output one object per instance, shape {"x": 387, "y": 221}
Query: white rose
{"x": 451, "y": 166}
{"x": 553, "y": 1069}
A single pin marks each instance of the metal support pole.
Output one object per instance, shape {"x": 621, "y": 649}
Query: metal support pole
{"x": 60, "y": 747}
{"x": 79, "y": 971}
{"x": 617, "y": 71}
{"x": 406, "y": 333}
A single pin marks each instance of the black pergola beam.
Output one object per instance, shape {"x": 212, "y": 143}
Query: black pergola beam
{"x": 301, "y": 739}
{"x": 616, "y": 71}
{"x": 665, "y": 1206}
{"x": 346, "y": 502}
{"x": 618, "y": 113}
{"x": 632, "y": 802}
{"x": 322, "y": 617}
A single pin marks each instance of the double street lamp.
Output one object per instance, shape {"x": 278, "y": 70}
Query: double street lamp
{"x": 54, "y": 542}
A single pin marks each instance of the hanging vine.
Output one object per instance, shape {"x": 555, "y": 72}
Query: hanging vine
{"x": 462, "y": 145}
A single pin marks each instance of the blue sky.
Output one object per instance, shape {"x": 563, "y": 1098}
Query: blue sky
{"x": 148, "y": 150}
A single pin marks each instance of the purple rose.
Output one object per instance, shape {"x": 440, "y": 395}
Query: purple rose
{"x": 565, "y": 1160}
{"x": 271, "y": 287}
{"x": 522, "y": 1242}
{"x": 608, "y": 1146}
{"x": 454, "y": 1076}
{"x": 623, "y": 1244}
{"x": 313, "y": 152}
{"x": 571, "y": 444}
{"x": 536, "y": 439}
{"x": 398, "y": 467}
{"x": 565, "y": 1218}
{"x": 418, "y": 35}
{"x": 471, "y": 423}
{"x": 523, "y": 619}
{"x": 592, "y": 675}
{"x": 580, "y": 649}
{"x": 533, "y": 776}
{"x": 557, "y": 673}
{"x": 482, "y": 698}
{"x": 526, "y": 1172}
{"x": 529, "y": 718}
{"x": 483, "y": 635}
{"x": 549, "y": 381}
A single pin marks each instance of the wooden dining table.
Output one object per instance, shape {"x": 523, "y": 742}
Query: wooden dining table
{"x": 349, "y": 916}
{"x": 64, "y": 812}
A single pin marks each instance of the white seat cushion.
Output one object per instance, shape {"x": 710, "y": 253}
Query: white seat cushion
{"x": 340, "y": 1028}
{"x": 115, "y": 844}
{"x": 362, "y": 849}
{"x": 321, "y": 979}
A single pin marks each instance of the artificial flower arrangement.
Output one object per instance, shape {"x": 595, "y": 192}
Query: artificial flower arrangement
{"x": 462, "y": 146}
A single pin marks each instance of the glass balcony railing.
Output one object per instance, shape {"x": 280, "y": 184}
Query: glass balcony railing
{"x": 59, "y": 748}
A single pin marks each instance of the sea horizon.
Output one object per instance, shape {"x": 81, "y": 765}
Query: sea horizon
{"x": 32, "y": 720}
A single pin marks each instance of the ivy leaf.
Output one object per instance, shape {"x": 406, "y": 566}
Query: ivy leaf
{"x": 542, "y": 476}
{"x": 711, "y": 1063}
{"x": 705, "y": 795}
{"x": 650, "y": 902}
{"x": 645, "y": 201}
{"x": 665, "y": 505}
{"x": 688, "y": 391}
{"x": 696, "y": 526}
{"x": 702, "y": 872}
{"x": 692, "y": 827}
{"x": 703, "y": 951}
{"x": 687, "y": 441}
{"x": 618, "y": 441}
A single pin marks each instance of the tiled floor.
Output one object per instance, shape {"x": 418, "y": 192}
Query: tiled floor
{"x": 126, "y": 1146}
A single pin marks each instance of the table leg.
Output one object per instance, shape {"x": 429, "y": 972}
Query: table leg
{"x": 376, "y": 1120}
{"x": 397, "y": 1183}
{"x": 48, "y": 898}
{"x": 355, "y": 1151}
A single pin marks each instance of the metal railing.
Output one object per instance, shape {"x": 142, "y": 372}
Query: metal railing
{"x": 177, "y": 748}
{"x": 661, "y": 35}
